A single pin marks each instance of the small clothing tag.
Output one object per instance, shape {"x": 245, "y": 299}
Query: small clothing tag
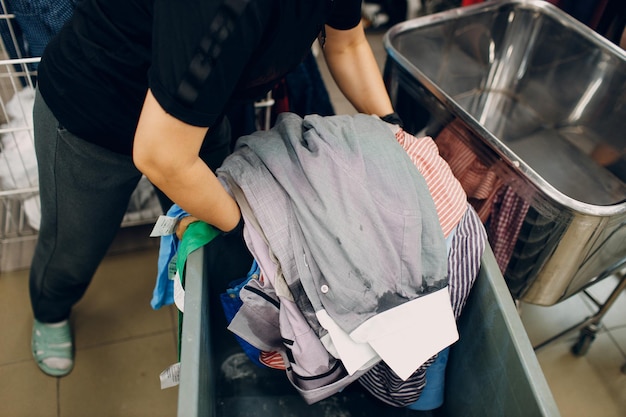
{"x": 179, "y": 293}
{"x": 164, "y": 226}
{"x": 170, "y": 377}
{"x": 171, "y": 268}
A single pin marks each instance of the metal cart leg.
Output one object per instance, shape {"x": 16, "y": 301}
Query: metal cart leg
{"x": 588, "y": 333}
{"x": 592, "y": 324}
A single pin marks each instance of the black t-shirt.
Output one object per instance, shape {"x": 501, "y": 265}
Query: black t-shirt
{"x": 195, "y": 55}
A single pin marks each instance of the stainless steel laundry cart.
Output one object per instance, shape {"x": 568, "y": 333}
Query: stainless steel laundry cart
{"x": 539, "y": 100}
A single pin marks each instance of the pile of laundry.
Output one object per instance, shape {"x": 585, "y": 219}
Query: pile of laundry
{"x": 367, "y": 250}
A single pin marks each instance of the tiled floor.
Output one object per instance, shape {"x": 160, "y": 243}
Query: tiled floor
{"x": 123, "y": 345}
{"x": 590, "y": 385}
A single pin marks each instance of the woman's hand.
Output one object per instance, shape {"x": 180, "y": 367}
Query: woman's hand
{"x": 183, "y": 224}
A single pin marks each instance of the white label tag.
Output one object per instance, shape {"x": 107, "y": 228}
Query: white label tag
{"x": 170, "y": 377}
{"x": 164, "y": 226}
{"x": 179, "y": 293}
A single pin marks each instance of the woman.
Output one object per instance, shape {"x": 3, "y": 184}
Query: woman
{"x": 131, "y": 87}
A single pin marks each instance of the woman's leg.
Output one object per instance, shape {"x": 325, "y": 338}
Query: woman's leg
{"x": 84, "y": 192}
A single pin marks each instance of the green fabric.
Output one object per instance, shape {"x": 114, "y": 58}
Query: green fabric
{"x": 196, "y": 236}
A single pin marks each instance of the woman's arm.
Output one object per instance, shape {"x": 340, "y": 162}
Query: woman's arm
{"x": 352, "y": 64}
{"x": 166, "y": 150}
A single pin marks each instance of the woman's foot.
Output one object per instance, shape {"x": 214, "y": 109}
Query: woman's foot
{"x": 53, "y": 348}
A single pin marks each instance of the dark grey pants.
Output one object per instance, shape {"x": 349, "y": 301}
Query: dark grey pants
{"x": 84, "y": 191}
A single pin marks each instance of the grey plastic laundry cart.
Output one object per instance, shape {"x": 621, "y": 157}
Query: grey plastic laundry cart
{"x": 492, "y": 370}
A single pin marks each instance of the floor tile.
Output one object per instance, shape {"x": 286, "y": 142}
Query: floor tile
{"x": 117, "y": 303}
{"x": 132, "y": 238}
{"x": 121, "y": 379}
{"x": 619, "y": 336}
{"x": 174, "y": 317}
{"x": 25, "y": 391}
{"x": 606, "y": 356}
{"x": 587, "y": 385}
{"x": 16, "y": 317}
{"x": 545, "y": 322}
{"x": 579, "y": 387}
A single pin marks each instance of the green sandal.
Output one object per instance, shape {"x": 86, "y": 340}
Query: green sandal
{"x": 53, "y": 348}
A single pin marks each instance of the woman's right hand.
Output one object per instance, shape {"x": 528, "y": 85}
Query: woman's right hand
{"x": 183, "y": 224}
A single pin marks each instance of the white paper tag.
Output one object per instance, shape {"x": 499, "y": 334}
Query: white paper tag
{"x": 164, "y": 226}
{"x": 179, "y": 293}
{"x": 170, "y": 377}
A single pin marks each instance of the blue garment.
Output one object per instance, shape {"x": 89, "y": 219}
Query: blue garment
{"x": 163, "y": 293}
{"x": 231, "y": 303}
{"x": 432, "y": 394}
{"x": 34, "y": 24}
{"x": 40, "y": 20}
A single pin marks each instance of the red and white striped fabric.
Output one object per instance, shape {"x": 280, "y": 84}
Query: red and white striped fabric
{"x": 448, "y": 194}
{"x": 272, "y": 360}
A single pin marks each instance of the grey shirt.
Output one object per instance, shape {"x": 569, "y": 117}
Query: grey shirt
{"x": 345, "y": 212}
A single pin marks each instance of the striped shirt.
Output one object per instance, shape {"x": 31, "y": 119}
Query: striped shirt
{"x": 448, "y": 194}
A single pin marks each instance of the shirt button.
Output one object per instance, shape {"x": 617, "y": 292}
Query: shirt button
{"x": 324, "y": 289}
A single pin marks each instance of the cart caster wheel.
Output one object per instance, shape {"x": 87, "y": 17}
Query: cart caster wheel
{"x": 584, "y": 343}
